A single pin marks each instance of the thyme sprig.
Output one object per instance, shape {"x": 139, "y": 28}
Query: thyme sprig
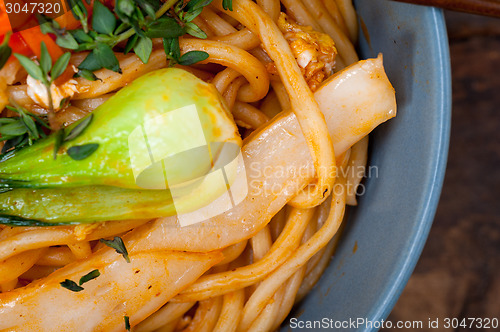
{"x": 46, "y": 73}
{"x": 22, "y": 130}
{"x": 118, "y": 245}
{"x": 74, "y": 287}
{"x": 5, "y": 50}
{"x": 130, "y": 27}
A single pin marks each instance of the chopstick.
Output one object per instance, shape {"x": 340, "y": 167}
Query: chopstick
{"x": 481, "y": 7}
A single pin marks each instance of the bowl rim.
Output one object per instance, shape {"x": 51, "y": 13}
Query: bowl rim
{"x": 405, "y": 266}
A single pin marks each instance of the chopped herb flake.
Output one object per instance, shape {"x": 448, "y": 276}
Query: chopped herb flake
{"x": 227, "y": 5}
{"x": 80, "y": 152}
{"x": 79, "y": 128}
{"x": 71, "y": 285}
{"x": 89, "y": 276}
{"x": 5, "y": 50}
{"x": 127, "y": 323}
{"x": 118, "y": 245}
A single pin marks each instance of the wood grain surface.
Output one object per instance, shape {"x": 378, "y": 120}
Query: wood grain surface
{"x": 482, "y": 7}
{"x": 458, "y": 275}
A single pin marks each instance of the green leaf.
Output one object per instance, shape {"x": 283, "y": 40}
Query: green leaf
{"x": 103, "y": 20}
{"x": 71, "y": 285}
{"x": 79, "y": 128}
{"x": 15, "y": 143}
{"x": 60, "y": 66}
{"x": 143, "y": 48}
{"x": 81, "y": 36}
{"x": 89, "y": 276}
{"x": 40, "y": 121}
{"x": 227, "y": 4}
{"x": 154, "y": 3}
{"x": 54, "y": 24}
{"x": 80, "y": 152}
{"x": 125, "y": 6}
{"x": 118, "y": 245}
{"x": 46, "y": 28}
{"x": 90, "y": 63}
{"x": 13, "y": 132}
{"x": 5, "y": 53}
{"x": 172, "y": 49}
{"x": 106, "y": 57}
{"x": 192, "y": 57}
{"x": 194, "y": 5}
{"x": 148, "y": 8}
{"x": 127, "y": 323}
{"x": 121, "y": 28}
{"x": 78, "y": 9}
{"x": 106, "y": 39}
{"x": 13, "y": 109}
{"x": 45, "y": 59}
{"x": 67, "y": 40}
{"x": 191, "y": 15}
{"x": 77, "y": 12}
{"x": 30, "y": 124}
{"x": 85, "y": 47}
{"x": 87, "y": 74}
{"x": 195, "y": 31}
{"x": 63, "y": 102}
{"x": 164, "y": 27}
{"x": 59, "y": 138}
{"x": 7, "y": 120}
{"x": 193, "y": 9}
{"x": 131, "y": 43}
{"x": 13, "y": 129}
{"x": 31, "y": 67}
{"x": 140, "y": 19}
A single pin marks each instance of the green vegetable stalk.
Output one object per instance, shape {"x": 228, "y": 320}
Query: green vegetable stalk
{"x": 130, "y": 159}
{"x": 114, "y": 124}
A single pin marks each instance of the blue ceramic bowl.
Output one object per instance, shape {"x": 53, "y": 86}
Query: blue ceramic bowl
{"x": 391, "y": 223}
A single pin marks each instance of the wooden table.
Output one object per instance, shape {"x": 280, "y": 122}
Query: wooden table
{"x": 458, "y": 275}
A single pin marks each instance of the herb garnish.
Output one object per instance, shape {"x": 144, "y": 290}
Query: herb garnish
{"x": 77, "y": 152}
{"x": 80, "y": 152}
{"x": 127, "y": 322}
{"x": 130, "y": 27}
{"x": 74, "y": 287}
{"x": 71, "y": 285}
{"x": 79, "y": 12}
{"x": 190, "y": 58}
{"x": 22, "y": 130}
{"x": 133, "y": 22}
{"x": 5, "y": 50}
{"x": 118, "y": 245}
{"x": 227, "y": 4}
{"x": 79, "y": 128}
{"x": 89, "y": 276}
{"x": 173, "y": 52}
{"x": 63, "y": 38}
{"x": 59, "y": 139}
{"x": 103, "y": 20}
{"x": 45, "y": 72}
